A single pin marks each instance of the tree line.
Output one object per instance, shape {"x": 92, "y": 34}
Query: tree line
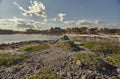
{"x": 58, "y": 30}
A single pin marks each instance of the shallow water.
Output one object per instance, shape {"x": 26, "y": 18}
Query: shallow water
{"x": 26, "y": 37}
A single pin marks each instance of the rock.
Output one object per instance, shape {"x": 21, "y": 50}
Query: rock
{"x": 114, "y": 77}
{"x": 59, "y": 60}
{"x": 118, "y": 70}
{"x": 37, "y": 67}
{"x": 91, "y": 76}
{"x": 78, "y": 62}
{"x": 83, "y": 77}
{"x": 78, "y": 77}
{"x": 69, "y": 74}
{"x": 64, "y": 37}
{"x": 118, "y": 75}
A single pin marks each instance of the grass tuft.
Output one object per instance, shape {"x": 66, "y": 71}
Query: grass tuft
{"x": 114, "y": 59}
{"x": 68, "y": 45}
{"x": 9, "y": 60}
{"x": 102, "y": 47}
{"x": 35, "y": 48}
{"x": 93, "y": 62}
{"x": 46, "y": 73}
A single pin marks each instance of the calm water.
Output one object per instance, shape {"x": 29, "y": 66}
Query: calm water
{"x": 26, "y": 37}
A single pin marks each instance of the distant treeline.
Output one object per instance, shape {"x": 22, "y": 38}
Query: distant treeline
{"x": 8, "y": 31}
{"x": 58, "y": 30}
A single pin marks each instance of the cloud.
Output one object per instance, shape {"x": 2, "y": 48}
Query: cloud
{"x": 39, "y": 9}
{"x": 70, "y": 23}
{"x": 61, "y": 17}
{"x": 89, "y": 23}
{"x": 81, "y": 23}
{"x": 16, "y": 24}
{"x": 54, "y": 19}
{"x": 22, "y": 23}
{"x": 36, "y": 8}
{"x": 20, "y": 7}
{"x": 45, "y": 20}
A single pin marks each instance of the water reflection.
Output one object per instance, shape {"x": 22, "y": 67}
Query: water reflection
{"x": 26, "y": 37}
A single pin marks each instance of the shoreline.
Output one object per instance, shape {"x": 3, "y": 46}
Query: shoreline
{"x": 104, "y": 37}
{"x": 107, "y": 37}
{"x": 53, "y": 57}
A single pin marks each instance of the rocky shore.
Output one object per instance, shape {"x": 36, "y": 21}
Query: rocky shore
{"x": 54, "y": 57}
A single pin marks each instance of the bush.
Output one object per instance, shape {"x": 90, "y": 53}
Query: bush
{"x": 89, "y": 44}
{"x": 77, "y": 40}
{"x": 102, "y": 47}
{"x": 9, "y": 60}
{"x": 94, "y": 63}
{"x": 46, "y": 73}
{"x": 68, "y": 45}
{"x": 35, "y": 48}
{"x": 114, "y": 59}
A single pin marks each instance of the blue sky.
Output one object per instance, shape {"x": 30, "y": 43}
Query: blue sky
{"x": 104, "y": 10}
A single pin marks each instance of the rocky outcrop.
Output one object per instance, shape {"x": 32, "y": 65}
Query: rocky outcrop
{"x": 64, "y": 37}
{"x": 55, "y": 58}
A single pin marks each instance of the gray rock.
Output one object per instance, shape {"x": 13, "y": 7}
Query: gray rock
{"x": 64, "y": 37}
{"x": 118, "y": 70}
{"x": 83, "y": 77}
{"x": 119, "y": 76}
{"x": 78, "y": 63}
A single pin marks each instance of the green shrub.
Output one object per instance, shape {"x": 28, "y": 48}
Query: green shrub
{"x": 8, "y": 60}
{"x": 35, "y": 48}
{"x": 68, "y": 45}
{"x": 46, "y": 73}
{"x": 77, "y": 40}
{"x": 13, "y": 69}
{"x": 89, "y": 44}
{"x": 114, "y": 59}
{"x": 94, "y": 63}
{"x": 102, "y": 47}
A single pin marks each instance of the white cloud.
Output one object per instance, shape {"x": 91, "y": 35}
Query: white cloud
{"x": 89, "y": 23}
{"x": 36, "y": 8}
{"x": 20, "y": 7}
{"x": 23, "y": 24}
{"x": 45, "y": 20}
{"x": 39, "y": 9}
{"x": 17, "y": 24}
{"x": 61, "y": 17}
{"x": 54, "y": 19}
{"x": 70, "y": 23}
{"x": 98, "y": 22}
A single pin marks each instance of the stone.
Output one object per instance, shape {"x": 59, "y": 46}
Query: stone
{"x": 78, "y": 63}
{"x": 83, "y": 77}
{"x": 118, "y": 70}
{"x": 65, "y": 37}
{"x": 118, "y": 75}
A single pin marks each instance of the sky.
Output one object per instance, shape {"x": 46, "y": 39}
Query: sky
{"x": 42, "y": 14}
